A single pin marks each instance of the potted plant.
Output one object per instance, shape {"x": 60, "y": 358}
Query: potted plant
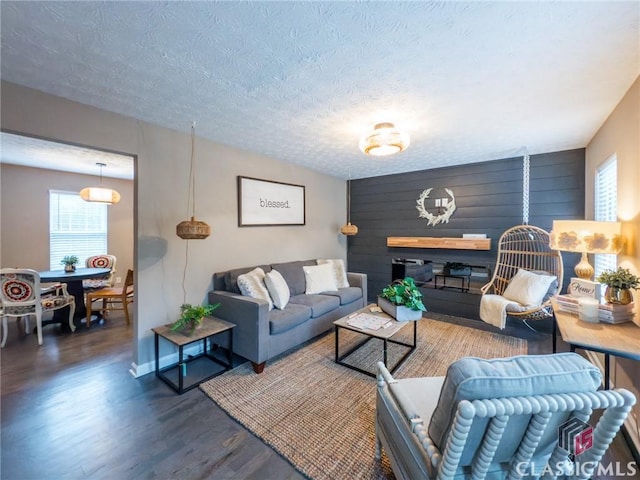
{"x": 191, "y": 316}
{"x": 402, "y": 299}
{"x": 69, "y": 263}
{"x": 619, "y": 284}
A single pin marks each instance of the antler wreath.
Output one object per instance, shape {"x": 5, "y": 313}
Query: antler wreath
{"x": 435, "y": 219}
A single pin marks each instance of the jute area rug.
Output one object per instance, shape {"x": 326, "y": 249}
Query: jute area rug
{"x": 320, "y": 415}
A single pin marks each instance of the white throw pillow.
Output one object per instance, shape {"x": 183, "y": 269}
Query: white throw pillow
{"x": 278, "y": 289}
{"x": 528, "y": 288}
{"x": 319, "y": 278}
{"x": 339, "y": 271}
{"x": 251, "y": 284}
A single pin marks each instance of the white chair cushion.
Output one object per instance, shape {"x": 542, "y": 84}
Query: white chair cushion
{"x": 528, "y": 288}
{"x": 251, "y": 284}
{"x": 319, "y": 278}
{"x": 339, "y": 270}
{"x": 278, "y": 289}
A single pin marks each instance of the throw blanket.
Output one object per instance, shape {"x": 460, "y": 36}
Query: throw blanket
{"x": 493, "y": 310}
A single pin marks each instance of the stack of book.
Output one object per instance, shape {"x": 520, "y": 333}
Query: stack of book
{"x": 607, "y": 312}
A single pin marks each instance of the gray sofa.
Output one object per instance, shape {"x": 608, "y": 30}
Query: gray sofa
{"x": 261, "y": 334}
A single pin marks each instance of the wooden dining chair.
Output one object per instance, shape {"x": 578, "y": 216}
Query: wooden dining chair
{"x": 112, "y": 299}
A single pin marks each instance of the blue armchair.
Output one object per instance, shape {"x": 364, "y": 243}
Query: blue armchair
{"x": 513, "y": 417}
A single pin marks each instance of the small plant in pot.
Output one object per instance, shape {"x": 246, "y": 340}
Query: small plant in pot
{"x": 402, "y": 299}
{"x": 191, "y": 316}
{"x": 69, "y": 263}
{"x": 619, "y": 284}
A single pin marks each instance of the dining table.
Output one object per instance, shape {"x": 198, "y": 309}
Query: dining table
{"x": 74, "y": 287}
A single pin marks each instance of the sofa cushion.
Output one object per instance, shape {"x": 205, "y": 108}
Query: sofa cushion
{"x": 293, "y": 274}
{"x": 231, "y": 277}
{"x": 291, "y": 316}
{"x": 476, "y": 378}
{"x": 278, "y": 289}
{"x": 339, "y": 271}
{"x": 528, "y": 288}
{"x": 319, "y": 278}
{"x": 251, "y": 284}
{"x": 319, "y": 304}
{"x": 346, "y": 295}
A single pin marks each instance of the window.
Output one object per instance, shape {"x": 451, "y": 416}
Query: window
{"x": 76, "y": 228}
{"x": 606, "y": 207}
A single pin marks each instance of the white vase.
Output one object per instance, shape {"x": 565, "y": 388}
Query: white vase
{"x": 399, "y": 312}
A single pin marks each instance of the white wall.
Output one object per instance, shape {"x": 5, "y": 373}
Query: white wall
{"x": 620, "y": 135}
{"x": 161, "y": 203}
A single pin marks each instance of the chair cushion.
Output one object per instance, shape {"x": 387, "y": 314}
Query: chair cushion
{"x": 339, "y": 271}
{"x": 319, "y": 278}
{"x": 291, "y": 316}
{"x": 475, "y": 378}
{"x": 528, "y": 288}
{"x": 278, "y": 289}
{"x": 251, "y": 284}
{"x": 231, "y": 277}
{"x": 319, "y": 304}
{"x": 53, "y": 303}
{"x": 293, "y": 274}
{"x": 346, "y": 295}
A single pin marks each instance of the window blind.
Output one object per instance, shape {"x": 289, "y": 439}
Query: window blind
{"x": 606, "y": 207}
{"x": 76, "y": 228}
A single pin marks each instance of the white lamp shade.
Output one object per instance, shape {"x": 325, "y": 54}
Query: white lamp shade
{"x": 385, "y": 139}
{"x": 586, "y": 236}
{"x": 100, "y": 195}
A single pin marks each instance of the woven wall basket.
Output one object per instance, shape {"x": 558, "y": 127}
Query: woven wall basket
{"x": 193, "y": 229}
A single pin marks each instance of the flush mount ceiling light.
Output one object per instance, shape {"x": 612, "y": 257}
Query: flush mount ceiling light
{"x": 385, "y": 139}
{"x": 100, "y": 194}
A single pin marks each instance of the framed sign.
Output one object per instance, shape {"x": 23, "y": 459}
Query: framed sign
{"x": 263, "y": 202}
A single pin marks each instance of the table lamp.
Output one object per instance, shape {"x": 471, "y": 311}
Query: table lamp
{"x": 586, "y": 236}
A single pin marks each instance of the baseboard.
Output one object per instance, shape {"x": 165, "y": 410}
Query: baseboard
{"x": 137, "y": 371}
{"x": 630, "y": 428}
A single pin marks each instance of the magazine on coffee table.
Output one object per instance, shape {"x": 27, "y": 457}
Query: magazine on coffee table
{"x": 366, "y": 321}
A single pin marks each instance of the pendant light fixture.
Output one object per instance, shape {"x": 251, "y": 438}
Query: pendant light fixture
{"x": 385, "y": 139}
{"x": 192, "y": 229}
{"x": 100, "y": 194}
{"x": 349, "y": 229}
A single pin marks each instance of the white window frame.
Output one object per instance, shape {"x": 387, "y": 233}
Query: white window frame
{"x": 606, "y": 207}
{"x": 76, "y": 228}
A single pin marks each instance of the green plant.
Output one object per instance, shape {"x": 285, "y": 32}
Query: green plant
{"x": 620, "y": 278}
{"x": 404, "y": 293}
{"x": 192, "y": 315}
{"x": 69, "y": 260}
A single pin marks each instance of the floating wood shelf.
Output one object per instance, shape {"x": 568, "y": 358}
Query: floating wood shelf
{"x": 440, "y": 242}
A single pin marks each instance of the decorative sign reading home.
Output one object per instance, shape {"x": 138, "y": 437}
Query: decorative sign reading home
{"x": 579, "y": 287}
{"x": 263, "y": 202}
{"x": 443, "y": 208}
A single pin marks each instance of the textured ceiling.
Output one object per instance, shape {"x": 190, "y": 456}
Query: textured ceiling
{"x": 302, "y": 81}
{"x": 38, "y": 153}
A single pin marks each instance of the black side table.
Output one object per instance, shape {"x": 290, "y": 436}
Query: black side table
{"x": 211, "y": 327}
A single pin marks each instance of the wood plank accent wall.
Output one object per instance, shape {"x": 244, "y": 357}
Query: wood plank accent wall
{"x": 488, "y": 198}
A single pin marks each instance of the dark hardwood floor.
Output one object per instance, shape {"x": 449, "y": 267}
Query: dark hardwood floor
{"x": 71, "y": 410}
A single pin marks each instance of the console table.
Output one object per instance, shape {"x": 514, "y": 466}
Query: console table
{"x": 621, "y": 340}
